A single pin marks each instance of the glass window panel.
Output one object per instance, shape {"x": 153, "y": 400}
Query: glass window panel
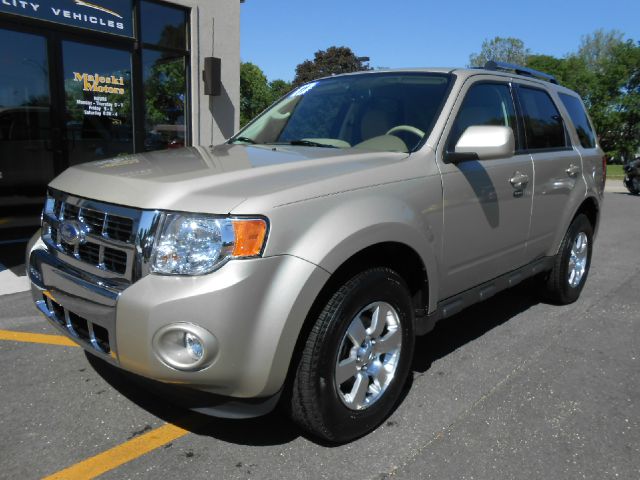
{"x": 543, "y": 123}
{"x": 165, "y": 96}
{"x": 26, "y": 160}
{"x": 580, "y": 120}
{"x": 346, "y": 111}
{"x": 163, "y": 25}
{"x": 484, "y": 104}
{"x": 99, "y": 118}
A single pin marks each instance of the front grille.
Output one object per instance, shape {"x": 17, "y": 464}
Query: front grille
{"x": 118, "y": 228}
{"x": 70, "y": 212}
{"x": 115, "y": 260}
{"x": 103, "y": 235}
{"x": 89, "y": 253}
{"x": 94, "y": 220}
{"x": 78, "y": 326}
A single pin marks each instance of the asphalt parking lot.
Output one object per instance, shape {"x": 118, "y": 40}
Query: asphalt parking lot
{"x": 511, "y": 388}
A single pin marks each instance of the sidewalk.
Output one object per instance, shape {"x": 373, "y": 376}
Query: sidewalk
{"x": 615, "y": 185}
{"x": 11, "y": 282}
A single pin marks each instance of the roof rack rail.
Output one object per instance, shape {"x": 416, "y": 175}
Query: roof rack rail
{"x": 529, "y": 72}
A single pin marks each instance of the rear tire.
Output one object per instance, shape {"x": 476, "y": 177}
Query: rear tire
{"x": 356, "y": 358}
{"x": 571, "y": 265}
{"x": 633, "y": 185}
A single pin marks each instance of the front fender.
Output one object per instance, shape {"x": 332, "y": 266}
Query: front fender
{"x": 330, "y": 230}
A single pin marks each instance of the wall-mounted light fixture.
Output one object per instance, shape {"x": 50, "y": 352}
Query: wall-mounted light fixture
{"x": 212, "y": 76}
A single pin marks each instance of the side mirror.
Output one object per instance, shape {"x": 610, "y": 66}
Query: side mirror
{"x": 483, "y": 142}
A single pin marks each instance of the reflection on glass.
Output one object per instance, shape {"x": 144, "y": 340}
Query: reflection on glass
{"x": 580, "y": 120}
{"x": 97, "y": 84}
{"x": 484, "y": 104}
{"x": 26, "y": 162}
{"x": 163, "y": 25}
{"x": 381, "y": 111}
{"x": 542, "y": 120}
{"x": 165, "y": 95}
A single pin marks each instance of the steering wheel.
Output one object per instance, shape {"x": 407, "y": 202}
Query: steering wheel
{"x": 406, "y": 128}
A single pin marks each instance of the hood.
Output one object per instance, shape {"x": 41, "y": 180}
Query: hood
{"x": 218, "y": 179}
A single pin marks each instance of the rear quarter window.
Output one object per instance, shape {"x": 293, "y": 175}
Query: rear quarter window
{"x": 543, "y": 124}
{"x": 580, "y": 120}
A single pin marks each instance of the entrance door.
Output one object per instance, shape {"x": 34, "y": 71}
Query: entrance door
{"x": 64, "y": 100}
{"x": 26, "y": 151}
{"x": 29, "y": 145}
{"x": 97, "y": 102}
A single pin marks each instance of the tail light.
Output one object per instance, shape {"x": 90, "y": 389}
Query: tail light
{"x": 604, "y": 170}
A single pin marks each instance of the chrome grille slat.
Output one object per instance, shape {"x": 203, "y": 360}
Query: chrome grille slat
{"x": 101, "y": 255}
{"x": 54, "y": 234}
{"x": 57, "y": 208}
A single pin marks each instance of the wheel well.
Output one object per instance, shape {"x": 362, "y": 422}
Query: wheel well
{"x": 396, "y": 256}
{"x": 591, "y": 210}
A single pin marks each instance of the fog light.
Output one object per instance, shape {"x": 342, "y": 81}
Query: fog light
{"x": 185, "y": 346}
{"x": 194, "y": 346}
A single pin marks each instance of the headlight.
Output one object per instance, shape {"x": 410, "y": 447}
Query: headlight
{"x": 199, "y": 244}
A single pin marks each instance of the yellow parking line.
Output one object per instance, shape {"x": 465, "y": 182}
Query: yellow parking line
{"x": 36, "y": 338}
{"x": 116, "y": 456}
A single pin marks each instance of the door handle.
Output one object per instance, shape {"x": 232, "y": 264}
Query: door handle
{"x": 573, "y": 170}
{"x": 519, "y": 180}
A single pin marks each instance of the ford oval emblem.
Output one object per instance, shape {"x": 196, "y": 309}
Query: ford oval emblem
{"x": 72, "y": 232}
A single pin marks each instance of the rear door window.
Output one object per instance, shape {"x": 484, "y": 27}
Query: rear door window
{"x": 580, "y": 119}
{"x": 544, "y": 128}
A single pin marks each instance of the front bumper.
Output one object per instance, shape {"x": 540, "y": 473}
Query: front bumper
{"x": 254, "y": 308}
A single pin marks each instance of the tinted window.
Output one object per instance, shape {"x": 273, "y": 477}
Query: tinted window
{"x": 542, "y": 121}
{"x": 484, "y": 104}
{"x": 165, "y": 94}
{"x": 26, "y": 157}
{"x": 165, "y": 64}
{"x": 580, "y": 120}
{"x": 163, "y": 25}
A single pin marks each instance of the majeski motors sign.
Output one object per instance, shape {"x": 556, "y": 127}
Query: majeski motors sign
{"x": 110, "y": 16}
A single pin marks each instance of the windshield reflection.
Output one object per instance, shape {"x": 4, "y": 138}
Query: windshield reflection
{"x": 376, "y": 111}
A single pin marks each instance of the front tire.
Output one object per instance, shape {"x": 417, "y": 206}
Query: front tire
{"x": 571, "y": 265}
{"x": 356, "y": 358}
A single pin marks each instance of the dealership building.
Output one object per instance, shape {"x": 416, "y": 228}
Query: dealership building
{"x": 86, "y": 80}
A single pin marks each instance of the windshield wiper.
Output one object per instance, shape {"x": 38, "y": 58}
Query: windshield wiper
{"x": 245, "y": 140}
{"x": 311, "y": 143}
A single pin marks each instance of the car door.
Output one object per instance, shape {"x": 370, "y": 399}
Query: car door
{"x": 486, "y": 203}
{"x": 558, "y": 168}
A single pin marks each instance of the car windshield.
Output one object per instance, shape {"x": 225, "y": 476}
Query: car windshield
{"x": 379, "y": 111}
